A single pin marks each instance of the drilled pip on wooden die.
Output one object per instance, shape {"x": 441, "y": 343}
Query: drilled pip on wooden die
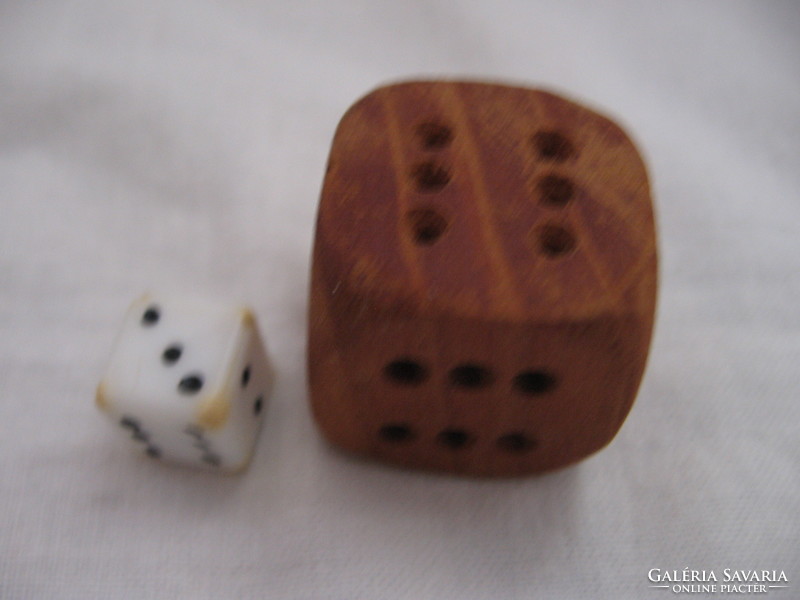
{"x": 484, "y": 279}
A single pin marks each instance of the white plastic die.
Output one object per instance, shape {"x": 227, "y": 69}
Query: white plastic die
{"x": 188, "y": 381}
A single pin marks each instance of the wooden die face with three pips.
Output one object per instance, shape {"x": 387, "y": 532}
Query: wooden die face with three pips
{"x": 484, "y": 279}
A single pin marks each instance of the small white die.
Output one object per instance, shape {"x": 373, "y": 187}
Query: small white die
{"x": 188, "y": 380}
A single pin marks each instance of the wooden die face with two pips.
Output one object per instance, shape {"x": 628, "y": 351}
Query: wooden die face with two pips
{"x": 484, "y": 280}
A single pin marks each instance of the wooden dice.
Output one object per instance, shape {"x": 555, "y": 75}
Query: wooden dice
{"x": 484, "y": 279}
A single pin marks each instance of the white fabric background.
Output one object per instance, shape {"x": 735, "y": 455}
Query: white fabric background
{"x": 181, "y": 144}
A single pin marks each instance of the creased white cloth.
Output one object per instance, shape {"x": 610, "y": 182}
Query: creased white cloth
{"x": 181, "y": 145}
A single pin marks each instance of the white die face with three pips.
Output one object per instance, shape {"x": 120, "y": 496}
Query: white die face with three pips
{"x": 188, "y": 380}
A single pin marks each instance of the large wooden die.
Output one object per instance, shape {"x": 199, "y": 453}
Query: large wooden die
{"x": 484, "y": 279}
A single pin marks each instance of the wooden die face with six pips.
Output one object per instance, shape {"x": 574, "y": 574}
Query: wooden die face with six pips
{"x": 484, "y": 279}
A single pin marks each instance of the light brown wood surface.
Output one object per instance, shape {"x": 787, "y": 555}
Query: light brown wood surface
{"x": 484, "y": 279}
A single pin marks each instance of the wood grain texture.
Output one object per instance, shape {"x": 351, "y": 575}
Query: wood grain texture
{"x": 483, "y": 281}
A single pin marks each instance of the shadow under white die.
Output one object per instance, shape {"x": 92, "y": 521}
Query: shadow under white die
{"x": 187, "y": 380}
